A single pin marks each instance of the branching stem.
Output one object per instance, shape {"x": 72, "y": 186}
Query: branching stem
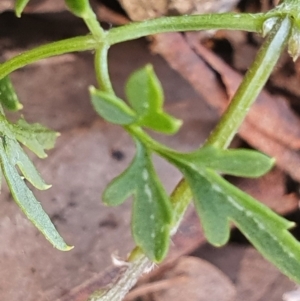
{"x": 100, "y": 41}
{"x": 132, "y": 31}
{"x": 225, "y": 131}
{"x": 252, "y": 84}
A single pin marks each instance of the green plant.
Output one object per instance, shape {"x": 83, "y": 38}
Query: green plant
{"x": 156, "y": 216}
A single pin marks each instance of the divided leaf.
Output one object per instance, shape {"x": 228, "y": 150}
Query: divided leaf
{"x": 28, "y": 203}
{"x": 218, "y": 203}
{"x": 145, "y": 95}
{"x": 111, "y": 108}
{"x": 8, "y": 96}
{"x": 11, "y": 154}
{"x": 152, "y": 211}
{"x": 17, "y": 156}
{"x": 236, "y": 162}
{"x": 34, "y": 136}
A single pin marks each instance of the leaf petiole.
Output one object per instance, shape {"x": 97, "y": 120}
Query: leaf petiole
{"x": 251, "y": 85}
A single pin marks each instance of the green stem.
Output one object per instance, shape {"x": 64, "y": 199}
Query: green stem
{"x": 46, "y": 51}
{"x": 247, "y": 22}
{"x": 251, "y": 85}
{"x": 132, "y": 31}
{"x": 249, "y": 89}
{"x": 101, "y": 69}
{"x": 95, "y": 28}
{"x": 93, "y": 25}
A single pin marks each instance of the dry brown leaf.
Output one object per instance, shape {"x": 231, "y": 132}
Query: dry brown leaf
{"x": 287, "y": 76}
{"x": 259, "y": 280}
{"x": 270, "y": 189}
{"x": 270, "y": 114}
{"x": 148, "y": 9}
{"x": 204, "y": 282}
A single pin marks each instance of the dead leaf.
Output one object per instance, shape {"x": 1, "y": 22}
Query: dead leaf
{"x": 286, "y": 77}
{"x": 139, "y": 10}
{"x": 258, "y": 279}
{"x": 270, "y": 114}
{"x": 292, "y": 295}
{"x": 204, "y": 282}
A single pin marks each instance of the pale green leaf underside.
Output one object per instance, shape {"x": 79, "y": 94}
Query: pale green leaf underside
{"x": 152, "y": 212}
{"x": 27, "y": 202}
{"x": 218, "y": 202}
{"x": 34, "y": 136}
{"x": 9, "y": 135}
{"x": 8, "y": 96}
{"x": 18, "y": 157}
{"x": 37, "y": 138}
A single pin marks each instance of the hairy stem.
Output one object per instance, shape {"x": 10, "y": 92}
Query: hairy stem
{"x": 248, "y": 22}
{"x": 132, "y": 31}
{"x": 46, "y": 51}
{"x": 251, "y": 85}
{"x": 126, "y": 281}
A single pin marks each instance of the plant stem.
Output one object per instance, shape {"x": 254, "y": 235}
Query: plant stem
{"x": 251, "y": 85}
{"x": 94, "y": 26}
{"x": 247, "y": 22}
{"x": 46, "y": 51}
{"x": 101, "y": 69}
{"x": 126, "y": 281}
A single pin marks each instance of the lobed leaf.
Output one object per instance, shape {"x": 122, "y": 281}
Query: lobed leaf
{"x": 152, "y": 211}
{"x": 27, "y": 202}
{"x": 218, "y": 203}
{"x": 8, "y": 96}
{"x": 111, "y": 108}
{"x": 145, "y": 95}
{"x": 34, "y": 136}
{"x": 236, "y": 162}
{"x": 144, "y": 91}
{"x": 18, "y": 157}
{"x": 12, "y": 155}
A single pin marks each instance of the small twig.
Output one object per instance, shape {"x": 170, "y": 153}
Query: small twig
{"x": 126, "y": 281}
